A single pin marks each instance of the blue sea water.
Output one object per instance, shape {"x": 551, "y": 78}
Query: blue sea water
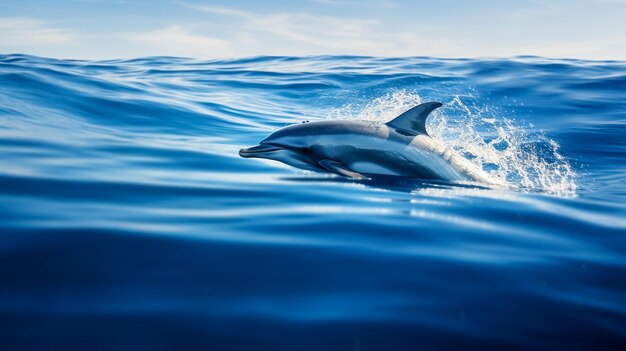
{"x": 128, "y": 220}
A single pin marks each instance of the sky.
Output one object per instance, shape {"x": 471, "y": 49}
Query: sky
{"x": 97, "y": 29}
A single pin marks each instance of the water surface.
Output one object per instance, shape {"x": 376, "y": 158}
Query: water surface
{"x": 129, "y": 221}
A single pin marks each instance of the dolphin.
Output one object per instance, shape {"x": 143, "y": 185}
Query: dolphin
{"x": 358, "y": 149}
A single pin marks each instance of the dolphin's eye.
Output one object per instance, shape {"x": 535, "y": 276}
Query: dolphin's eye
{"x": 306, "y": 150}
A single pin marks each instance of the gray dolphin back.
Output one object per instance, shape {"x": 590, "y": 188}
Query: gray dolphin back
{"x": 413, "y": 121}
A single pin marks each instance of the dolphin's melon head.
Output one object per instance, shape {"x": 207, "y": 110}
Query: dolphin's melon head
{"x": 290, "y": 145}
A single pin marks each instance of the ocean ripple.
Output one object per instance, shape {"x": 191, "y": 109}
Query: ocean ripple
{"x": 128, "y": 219}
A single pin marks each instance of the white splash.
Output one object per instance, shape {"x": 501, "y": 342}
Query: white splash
{"x": 516, "y": 154}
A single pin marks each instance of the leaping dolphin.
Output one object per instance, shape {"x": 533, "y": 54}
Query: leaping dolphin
{"x": 358, "y": 149}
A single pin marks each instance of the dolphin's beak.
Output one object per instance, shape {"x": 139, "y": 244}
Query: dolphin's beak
{"x": 258, "y": 151}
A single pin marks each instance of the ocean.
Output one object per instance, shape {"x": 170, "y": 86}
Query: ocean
{"x": 129, "y": 221}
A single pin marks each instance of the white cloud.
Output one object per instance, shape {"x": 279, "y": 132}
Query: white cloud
{"x": 381, "y": 4}
{"x": 223, "y": 11}
{"x": 179, "y": 41}
{"x": 581, "y": 29}
{"x": 538, "y": 9}
{"x": 247, "y": 33}
{"x": 303, "y": 34}
{"x": 24, "y": 31}
{"x": 330, "y": 32}
{"x": 595, "y": 49}
{"x": 612, "y": 2}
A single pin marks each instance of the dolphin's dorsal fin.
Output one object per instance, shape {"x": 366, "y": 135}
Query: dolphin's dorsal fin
{"x": 413, "y": 121}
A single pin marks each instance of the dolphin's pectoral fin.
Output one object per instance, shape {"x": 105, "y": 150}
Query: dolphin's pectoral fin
{"x": 413, "y": 121}
{"x": 340, "y": 168}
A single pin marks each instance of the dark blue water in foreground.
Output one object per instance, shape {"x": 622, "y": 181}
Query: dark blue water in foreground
{"x": 128, "y": 220}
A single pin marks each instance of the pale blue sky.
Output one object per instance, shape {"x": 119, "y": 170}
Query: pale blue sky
{"x": 593, "y": 29}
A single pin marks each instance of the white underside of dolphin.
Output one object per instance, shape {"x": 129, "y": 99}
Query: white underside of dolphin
{"x": 401, "y": 147}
